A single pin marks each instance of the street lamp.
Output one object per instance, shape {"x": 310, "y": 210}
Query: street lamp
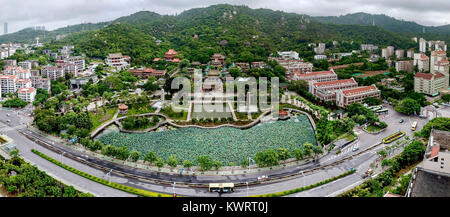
{"x": 62, "y": 159}
{"x": 303, "y": 174}
{"x": 247, "y": 187}
{"x": 174, "y": 183}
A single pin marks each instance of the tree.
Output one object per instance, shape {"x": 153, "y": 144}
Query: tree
{"x": 172, "y": 161}
{"x": 135, "y": 155}
{"x": 235, "y": 72}
{"x": 371, "y": 101}
{"x": 307, "y": 149}
{"x": 244, "y": 163}
{"x": 150, "y": 157}
{"x": 317, "y": 150}
{"x": 445, "y": 98}
{"x": 217, "y": 165}
{"x": 267, "y": 158}
{"x": 298, "y": 153}
{"x": 159, "y": 162}
{"x": 408, "y": 106}
{"x": 283, "y": 153}
{"x": 187, "y": 164}
{"x": 205, "y": 162}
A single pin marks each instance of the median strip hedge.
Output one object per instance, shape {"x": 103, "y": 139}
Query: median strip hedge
{"x": 128, "y": 189}
{"x": 304, "y": 188}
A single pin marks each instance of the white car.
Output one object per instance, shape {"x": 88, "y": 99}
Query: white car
{"x": 262, "y": 178}
{"x": 355, "y": 149}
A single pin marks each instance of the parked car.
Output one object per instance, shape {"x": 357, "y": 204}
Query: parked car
{"x": 355, "y": 149}
{"x": 401, "y": 120}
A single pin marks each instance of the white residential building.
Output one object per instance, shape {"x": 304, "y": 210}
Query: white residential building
{"x": 8, "y": 84}
{"x": 116, "y": 60}
{"x": 400, "y": 53}
{"x": 23, "y": 83}
{"x": 368, "y": 47}
{"x": 320, "y": 49}
{"x": 25, "y": 64}
{"x": 52, "y": 72}
{"x": 288, "y": 55}
{"x": 422, "y": 45}
{"x": 27, "y": 94}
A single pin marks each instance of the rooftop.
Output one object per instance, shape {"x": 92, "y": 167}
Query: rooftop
{"x": 429, "y": 184}
{"x": 357, "y": 90}
{"x": 327, "y": 83}
{"x": 115, "y": 55}
{"x": 316, "y": 73}
{"x": 26, "y": 90}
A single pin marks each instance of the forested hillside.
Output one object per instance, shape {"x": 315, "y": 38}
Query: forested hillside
{"x": 241, "y": 33}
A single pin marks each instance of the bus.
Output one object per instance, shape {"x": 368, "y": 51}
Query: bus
{"x": 382, "y": 111}
{"x": 375, "y": 108}
{"x": 414, "y": 125}
{"x": 221, "y": 187}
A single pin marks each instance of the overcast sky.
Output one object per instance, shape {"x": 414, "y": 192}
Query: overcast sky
{"x": 59, "y": 13}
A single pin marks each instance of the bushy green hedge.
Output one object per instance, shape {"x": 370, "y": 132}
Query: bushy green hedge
{"x": 304, "y": 188}
{"x": 128, "y": 189}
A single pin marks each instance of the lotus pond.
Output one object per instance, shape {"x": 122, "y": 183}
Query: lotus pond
{"x": 224, "y": 144}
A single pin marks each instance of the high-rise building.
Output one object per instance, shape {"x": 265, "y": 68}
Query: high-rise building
{"x": 5, "y": 29}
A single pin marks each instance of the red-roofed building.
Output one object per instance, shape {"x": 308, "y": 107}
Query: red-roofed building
{"x": 356, "y": 95}
{"x": 145, "y": 73}
{"x": 7, "y": 84}
{"x": 23, "y": 83}
{"x": 169, "y": 55}
{"x": 430, "y": 83}
{"x": 319, "y": 76}
{"x": 327, "y": 90}
{"x": 26, "y": 94}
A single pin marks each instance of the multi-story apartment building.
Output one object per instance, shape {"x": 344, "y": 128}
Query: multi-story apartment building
{"x": 326, "y": 91}
{"x": 320, "y": 49}
{"x": 410, "y": 53}
{"x": 356, "y": 95}
{"x": 52, "y": 72}
{"x": 39, "y": 82}
{"x": 368, "y": 47}
{"x": 429, "y": 83}
{"x": 116, "y": 60}
{"x": 25, "y": 64}
{"x": 422, "y": 45}
{"x": 69, "y": 68}
{"x": 8, "y": 84}
{"x": 387, "y": 52}
{"x": 400, "y": 53}
{"x": 78, "y": 61}
{"x": 422, "y": 61}
{"x": 288, "y": 55}
{"x": 437, "y": 45}
{"x": 404, "y": 65}
{"x": 27, "y": 94}
{"x": 10, "y": 62}
{"x": 23, "y": 83}
{"x": 437, "y": 56}
{"x": 319, "y": 76}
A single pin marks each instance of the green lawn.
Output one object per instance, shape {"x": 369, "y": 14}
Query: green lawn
{"x": 99, "y": 119}
{"x": 373, "y": 128}
{"x": 136, "y": 109}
